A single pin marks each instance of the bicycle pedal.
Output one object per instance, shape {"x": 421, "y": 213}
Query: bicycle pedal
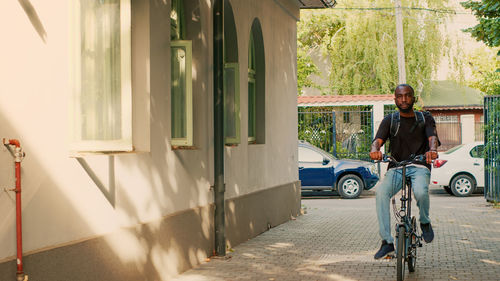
{"x": 388, "y": 257}
{"x": 420, "y": 245}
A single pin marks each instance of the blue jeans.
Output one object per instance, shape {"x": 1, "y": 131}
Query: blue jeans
{"x": 390, "y": 185}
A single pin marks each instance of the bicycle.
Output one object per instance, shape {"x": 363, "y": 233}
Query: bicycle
{"x": 406, "y": 227}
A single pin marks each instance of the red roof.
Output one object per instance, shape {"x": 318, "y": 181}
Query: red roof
{"x": 342, "y": 99}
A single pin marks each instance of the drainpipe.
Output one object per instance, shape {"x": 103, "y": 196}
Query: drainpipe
{"x": 18, "y": 155}
{"x": 219, "y": 187}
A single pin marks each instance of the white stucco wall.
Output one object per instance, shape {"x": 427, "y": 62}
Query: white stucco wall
{"x": 61, "y": 203}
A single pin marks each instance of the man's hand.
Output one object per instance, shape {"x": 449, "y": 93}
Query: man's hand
{"x": 431, "y": 155}
{"x": 375, "y": 153}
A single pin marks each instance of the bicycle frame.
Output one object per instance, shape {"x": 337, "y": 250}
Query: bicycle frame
{"x": 406, "y": 230}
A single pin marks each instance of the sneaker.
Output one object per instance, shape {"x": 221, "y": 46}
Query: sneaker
{"x": 385, "y": 250}
{"x": 427, "y": 232}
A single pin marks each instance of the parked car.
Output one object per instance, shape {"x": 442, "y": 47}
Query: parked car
{"x": 460, "y": 170}
{"x": 319, "y": 170}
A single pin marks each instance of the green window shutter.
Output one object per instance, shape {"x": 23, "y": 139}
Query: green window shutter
{"x": 231, "y": 103}
{"x": 181, "y": 93}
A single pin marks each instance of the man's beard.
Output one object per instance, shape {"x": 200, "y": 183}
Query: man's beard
{"x": 406, "y": 110}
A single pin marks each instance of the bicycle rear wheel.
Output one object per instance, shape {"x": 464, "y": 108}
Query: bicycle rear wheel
{"x": 400, "y": 254}
{"x": 412, "y": 247}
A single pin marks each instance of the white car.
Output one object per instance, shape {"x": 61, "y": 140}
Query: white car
{"x": 460, "y": 170}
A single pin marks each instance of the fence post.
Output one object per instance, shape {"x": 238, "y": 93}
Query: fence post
{"x": 334, "y": 135}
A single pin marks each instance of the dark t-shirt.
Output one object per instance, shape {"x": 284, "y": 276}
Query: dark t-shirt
{"x": 407, "y": 142}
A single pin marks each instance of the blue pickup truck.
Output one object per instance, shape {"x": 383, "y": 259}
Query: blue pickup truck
{"x": 319, "y": 170}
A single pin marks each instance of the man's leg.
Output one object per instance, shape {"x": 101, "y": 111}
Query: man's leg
{"x": 420, "y": 179}
{"x": 420, "y": 182}
{"x": 389, "y": 186}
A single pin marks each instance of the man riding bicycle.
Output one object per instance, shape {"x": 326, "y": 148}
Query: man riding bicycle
{"x": 410, "y": 133}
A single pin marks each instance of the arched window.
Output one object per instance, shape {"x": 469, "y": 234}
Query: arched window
{"x": 231, "y": 78}
{"x": 256, "y": 85}
{"x": 181, "y": 78}
{"x": 251, "y": 90}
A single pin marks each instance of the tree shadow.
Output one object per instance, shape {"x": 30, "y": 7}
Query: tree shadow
{"x": 34, "y": 19}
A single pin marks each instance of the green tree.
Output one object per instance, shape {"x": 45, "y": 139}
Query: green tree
{"x": 305, "y": 68}
{"x": 488, "y": 14}
{"x": 486, "y": 78}
{"x": 361, "y": 44}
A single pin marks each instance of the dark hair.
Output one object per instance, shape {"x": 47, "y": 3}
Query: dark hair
{"x": 405, "y": 85}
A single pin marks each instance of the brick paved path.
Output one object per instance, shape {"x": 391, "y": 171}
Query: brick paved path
{"x": 336, "y": 240}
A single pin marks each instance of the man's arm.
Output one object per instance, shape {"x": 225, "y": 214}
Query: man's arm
{"x": 432, "y": 153}
{"x": 375, "y": 153}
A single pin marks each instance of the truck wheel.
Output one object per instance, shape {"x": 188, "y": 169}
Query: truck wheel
{"x": 350, "y": 186}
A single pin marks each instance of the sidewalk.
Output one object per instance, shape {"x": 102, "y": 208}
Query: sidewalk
{"x": 336, "y": 240}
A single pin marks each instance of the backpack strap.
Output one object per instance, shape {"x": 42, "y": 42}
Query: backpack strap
{"x": 419, "y": 121}
{"x": 419, "y": 115}
{"x": 395, "y": 120}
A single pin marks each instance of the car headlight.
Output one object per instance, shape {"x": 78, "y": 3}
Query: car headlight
{"x": 373, "y": 169}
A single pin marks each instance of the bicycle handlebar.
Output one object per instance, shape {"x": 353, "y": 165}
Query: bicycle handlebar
{"x": 418, "y": 159}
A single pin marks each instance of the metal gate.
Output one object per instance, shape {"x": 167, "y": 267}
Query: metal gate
{"x": 345, "y": 132}
{"x": 492, "y": 148}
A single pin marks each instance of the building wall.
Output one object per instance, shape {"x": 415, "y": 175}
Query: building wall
{"x": 149, "y": 213}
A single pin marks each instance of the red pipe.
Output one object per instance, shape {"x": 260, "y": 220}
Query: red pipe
{"x": 18, "y": 156}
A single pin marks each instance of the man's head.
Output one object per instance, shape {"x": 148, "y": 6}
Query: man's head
{"x": 404, "y": 97}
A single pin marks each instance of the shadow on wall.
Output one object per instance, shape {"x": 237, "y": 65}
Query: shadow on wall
{"x": 153, "y": 251}
{"x": 34, "y": 19}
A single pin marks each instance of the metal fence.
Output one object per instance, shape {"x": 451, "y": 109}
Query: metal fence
{"x": 492, "y": 148}
{"x": 345, "y": 132}
{"x": 450, "y": 134}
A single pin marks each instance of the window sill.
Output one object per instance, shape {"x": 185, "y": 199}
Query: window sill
{"x": 79, "y": 154}
{"x": 254, "y": 144}
{"x": 183, "y": 147}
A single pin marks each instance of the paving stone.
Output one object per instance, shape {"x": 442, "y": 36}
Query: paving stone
{"x": 336, "y": 240}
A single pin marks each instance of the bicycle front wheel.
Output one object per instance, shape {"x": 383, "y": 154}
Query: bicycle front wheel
{"x": 412, "y": 248}
{"x": 400, "y": 268}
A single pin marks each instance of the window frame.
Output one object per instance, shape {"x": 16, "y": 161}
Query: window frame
{"x": 252, "y": 98}
{"x": 188, "y": 140}
{"x": 125, "y": 143}
{"x": 236, "y": 68}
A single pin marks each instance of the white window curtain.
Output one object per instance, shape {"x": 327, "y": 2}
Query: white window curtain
{"x": 102, "y": 94}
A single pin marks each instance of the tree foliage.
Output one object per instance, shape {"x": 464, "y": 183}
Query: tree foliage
{"x": 305, "y": 68}
{"x": 486, "y": 74}
{"x": 362, "y": 48}
{"x": 488, "y": 14}
{"x": 484, "y": 77}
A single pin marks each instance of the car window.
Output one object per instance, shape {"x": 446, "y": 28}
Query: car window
{"x": 477, "y": 151}
{"x": 309, "y": 155}
{"x": 451, "y": 150}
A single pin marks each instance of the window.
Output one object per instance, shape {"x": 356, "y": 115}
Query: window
{"x": 446, "y": 118}
{"x": 309, "y": 155}
{"x": 181, "y": 104}
{"x": 231, "y": 103}
{"x": 477, "y": 151}
{"x": 347, "y": 117}
{"x": 251, "y": 90}
{"x": 101, "y": 107}
{"x": 256, "y": 85}
{"x": 232, "y": 113}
